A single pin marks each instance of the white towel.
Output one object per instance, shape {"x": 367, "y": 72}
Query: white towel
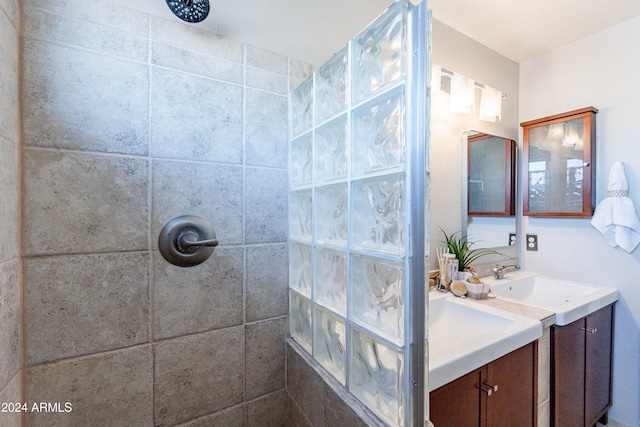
{"x": 615, "y": 217}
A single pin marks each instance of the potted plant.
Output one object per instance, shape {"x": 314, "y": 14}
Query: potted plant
{"x": 461, "y": 247}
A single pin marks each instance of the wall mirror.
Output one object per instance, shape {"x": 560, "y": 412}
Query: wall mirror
{"x": 490, "y": 180}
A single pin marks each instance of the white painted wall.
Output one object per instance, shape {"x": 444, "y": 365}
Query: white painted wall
{"x": 602, "y": 70}
{"x": 457, "y": 52}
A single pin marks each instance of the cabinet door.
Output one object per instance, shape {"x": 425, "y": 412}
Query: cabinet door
{"x": 567, "y": 371}
{"x": 559, "y": 162}
{"x": 598, "y": 364}
{"x": 514, "y": 402}
{"x": 457, "y": 404}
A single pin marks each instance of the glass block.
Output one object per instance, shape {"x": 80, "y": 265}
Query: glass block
{"x": 331, "y": 86}
{"x": 300, "y": 320}
{"x": 378, "y": 214}
{"x": 300, "y": 268}
{"x": 330, "y": 344}
{"x": 375, "y": 376}
{"x": 302, "y": 160}
{"x": 331, "y": 214}
{"x": 376, "y": 296}
{"x": 302, "y": 107}
{"x": 379, "y": 52}
{"x": 330, "y": 280}
{"x": 379, "y": 133}
{"x": 331, "y": 154}
{"x": 300, "y": 215}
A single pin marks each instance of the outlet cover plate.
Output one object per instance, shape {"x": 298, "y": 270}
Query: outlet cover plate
{"x": 532, "y": 242}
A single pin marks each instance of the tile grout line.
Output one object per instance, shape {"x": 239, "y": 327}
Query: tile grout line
{"x": 151, "y": 285}
{"x": 244, "y": 230}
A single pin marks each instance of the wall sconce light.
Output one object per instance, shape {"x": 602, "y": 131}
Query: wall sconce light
{"x": 463, "y": 94}
{"x": 490, "y": 104}
{"x": 462, "y": 90}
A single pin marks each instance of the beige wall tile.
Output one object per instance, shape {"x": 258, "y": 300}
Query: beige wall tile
{"x": 189, "y": 61}
{"x": 11, "y": 393}
{"x": 107, "y": 389}
{"x": 200, "y": 298}
{"x": 271, "y": 61}
{"x": 81, "y": 100}
{"x": 266, "y": 80}
{"x": 266, "y": 214}
{"x": 9, "y": 125}
{"x": 268, "y": 411}
{"x": 265, "y": 357}
{"x": 195, "y": 118}
{"x": 336, "y": 411}
{"x": 295, "y": 415}
{"x": 266, "y": 129}
{"x": 233, "y": 417}
{"x": 213, "y": 192}
{"x": 306, "y": 388}
{"x": 267, "y": 272}
{"x": 299, "y": 70}
{"x": 189, "y": 37}
{"x": 9, "y": 205}
{"x": 103, "y": 12}
{"x": 83, "y": 304}
{"x": 53, "y": 27}
{"x": 9, "y": 321}
{"x": 82, "y": 203}
{"x": 198, "y": 375}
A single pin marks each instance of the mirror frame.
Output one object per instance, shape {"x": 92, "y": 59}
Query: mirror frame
{"x": 510, "y": 245}
{"x": 510, "y": 176}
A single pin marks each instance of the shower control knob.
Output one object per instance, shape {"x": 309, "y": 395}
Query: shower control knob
{"x": 187, "y": 240}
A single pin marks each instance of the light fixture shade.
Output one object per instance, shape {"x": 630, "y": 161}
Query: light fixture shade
{"x": 490, "y": 104}
{"x": 556, "y": 131}
{"x": 463, "y": 91}
{"x": 571, "y": 138}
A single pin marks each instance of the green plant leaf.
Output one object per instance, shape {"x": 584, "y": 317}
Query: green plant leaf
{"x": 461, "y": 247}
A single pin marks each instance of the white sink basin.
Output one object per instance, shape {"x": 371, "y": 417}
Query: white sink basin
{"x": 463, "y": 336}
{"x": 568, "y": 299}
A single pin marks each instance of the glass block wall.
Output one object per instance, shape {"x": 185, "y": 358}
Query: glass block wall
{"x": 356, "y": 227}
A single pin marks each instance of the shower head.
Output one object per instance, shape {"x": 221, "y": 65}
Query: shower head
{"x": 189, "y": 10}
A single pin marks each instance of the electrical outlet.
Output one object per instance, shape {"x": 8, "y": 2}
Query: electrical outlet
{"x": 532, "y": 242}
{"x": 512, "y": 239}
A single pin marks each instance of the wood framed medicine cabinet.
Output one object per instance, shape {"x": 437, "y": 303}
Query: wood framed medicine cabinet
{"x": 559, "y": 164}
{"x": 491, "y": 175}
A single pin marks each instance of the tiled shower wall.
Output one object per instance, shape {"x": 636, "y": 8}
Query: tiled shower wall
{"x": 129, "y": 121}
{"x": 10, "y": 295}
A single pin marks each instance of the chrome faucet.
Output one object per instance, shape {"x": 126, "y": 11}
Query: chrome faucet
{"x": 498, "y": 272}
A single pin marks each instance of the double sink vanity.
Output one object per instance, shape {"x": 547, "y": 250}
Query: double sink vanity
{"x": 537, "y": 354}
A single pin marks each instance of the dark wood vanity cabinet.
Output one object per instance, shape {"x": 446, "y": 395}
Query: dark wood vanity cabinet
{"x": 502, "y": 393}
{"x": 581, "y": 370}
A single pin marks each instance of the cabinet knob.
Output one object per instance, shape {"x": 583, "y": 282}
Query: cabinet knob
{"x": 486, "y": 390}
{"x": 488, "y": 384}
{"x": 590, "y": 330}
